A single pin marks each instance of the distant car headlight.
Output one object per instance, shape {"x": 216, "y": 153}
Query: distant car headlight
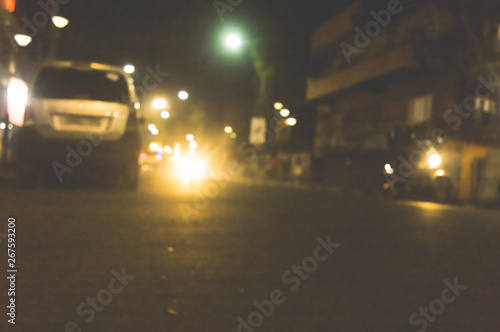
{"x": 434, "y": 160}
{"x": 199, "y": 166}
{"x": 184, "y": 165}
{"x": 388, "y": 169}
{"x": 440, "y": 172}
{"x": 191, "y": 169}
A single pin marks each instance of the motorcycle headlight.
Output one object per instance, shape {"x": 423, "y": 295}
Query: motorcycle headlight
{"x": 388, "y": 169}
{"x": 191, "y": 169}
{"x": 440, "y": 172}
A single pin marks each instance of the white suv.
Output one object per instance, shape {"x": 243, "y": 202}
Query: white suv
{"x": 80, "y": 116}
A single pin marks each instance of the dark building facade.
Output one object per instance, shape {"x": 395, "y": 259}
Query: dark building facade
{"x": 385, "y": 74}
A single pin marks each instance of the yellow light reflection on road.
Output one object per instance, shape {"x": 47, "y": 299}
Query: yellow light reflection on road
{"x": 430, "y": 208}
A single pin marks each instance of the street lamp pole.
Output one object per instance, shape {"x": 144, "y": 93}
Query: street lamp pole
{"x": 58, "y": 23}
{"x": 262, "y": 67}
{"x": 54, "y": 35}
{"x": 263, "y": 86}
{"x": 264, "y": 71}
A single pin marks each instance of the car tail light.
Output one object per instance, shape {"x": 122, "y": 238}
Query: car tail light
{"x": 17, "y": 96}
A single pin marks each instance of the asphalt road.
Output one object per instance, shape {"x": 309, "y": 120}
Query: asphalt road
{"x": 95, "y": 259}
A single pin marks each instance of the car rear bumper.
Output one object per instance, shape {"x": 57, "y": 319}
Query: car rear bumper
{"x": 31, "y": 148}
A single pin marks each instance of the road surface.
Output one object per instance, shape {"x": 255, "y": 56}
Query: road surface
{"x": 246, "y": 257}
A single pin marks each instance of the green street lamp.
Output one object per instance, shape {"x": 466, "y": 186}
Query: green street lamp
{"x": 233, "y": 41}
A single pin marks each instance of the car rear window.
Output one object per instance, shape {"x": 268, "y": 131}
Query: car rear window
{"x": 70, "y": 83}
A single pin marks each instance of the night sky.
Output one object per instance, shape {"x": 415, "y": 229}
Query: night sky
{"x": 184, "y": 39}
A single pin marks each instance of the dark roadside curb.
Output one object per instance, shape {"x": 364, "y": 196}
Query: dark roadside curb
{"x": 307, "y": 186}
{"x": 374, "y": 193}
